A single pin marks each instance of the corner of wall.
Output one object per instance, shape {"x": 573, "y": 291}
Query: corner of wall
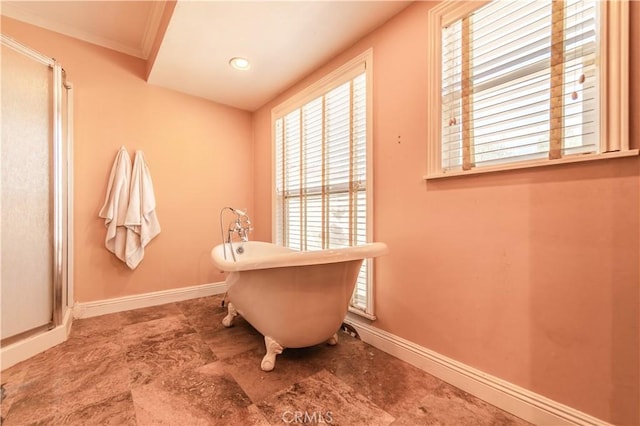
{"x": 167, "y": 13}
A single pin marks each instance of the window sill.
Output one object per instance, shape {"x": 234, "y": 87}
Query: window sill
{"x": 535, "y": 163}
{"x": 362, "y": 313}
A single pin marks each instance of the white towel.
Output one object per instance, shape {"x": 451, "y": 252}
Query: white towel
{"x": 115, "y": 205}
{"x": 141, "y": 220}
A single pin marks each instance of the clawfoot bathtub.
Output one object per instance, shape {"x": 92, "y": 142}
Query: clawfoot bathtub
{"x": 294, "y": 299}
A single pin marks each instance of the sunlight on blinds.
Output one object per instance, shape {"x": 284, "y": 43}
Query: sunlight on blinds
{"x": 519, "y": 82}
{"x": 321, "y": 174}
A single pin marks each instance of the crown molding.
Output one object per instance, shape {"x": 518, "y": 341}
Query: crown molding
{"x": 11, "y": 10}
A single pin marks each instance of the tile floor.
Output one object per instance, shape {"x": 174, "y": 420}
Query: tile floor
{"x": 176, "y": 364}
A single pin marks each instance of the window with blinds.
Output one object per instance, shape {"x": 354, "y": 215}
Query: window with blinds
{"x": 522, "y": 81}
{"x": 321, "y": 171}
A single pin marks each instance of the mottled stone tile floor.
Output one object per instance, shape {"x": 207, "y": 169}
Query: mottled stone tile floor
{"x": 176, "y": 364}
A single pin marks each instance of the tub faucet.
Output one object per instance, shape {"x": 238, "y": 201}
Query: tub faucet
{"x": 245, "y": 228}
{"x": 241, "y": 227}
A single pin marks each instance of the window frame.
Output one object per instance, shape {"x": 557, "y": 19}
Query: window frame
{"x": 613, "y": 92}
{"x": 320, "y": 87}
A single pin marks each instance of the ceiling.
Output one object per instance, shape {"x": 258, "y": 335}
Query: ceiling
{"x": 284, "y": 40}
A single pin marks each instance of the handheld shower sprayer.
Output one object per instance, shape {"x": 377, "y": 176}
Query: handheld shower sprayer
{"x": 238, "y": 212}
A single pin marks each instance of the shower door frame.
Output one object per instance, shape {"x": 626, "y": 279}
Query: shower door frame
{"x": 62, "y": 271}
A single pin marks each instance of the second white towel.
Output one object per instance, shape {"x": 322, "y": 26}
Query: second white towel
{"x": 141, "y": 219}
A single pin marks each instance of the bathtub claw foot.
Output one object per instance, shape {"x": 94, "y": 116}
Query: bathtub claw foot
{"x": 333, "y": 340}
{"x": 231, "y": 314}
{"x": 273, "y": 349}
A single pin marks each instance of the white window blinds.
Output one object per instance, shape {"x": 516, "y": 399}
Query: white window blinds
{"x": 520, "y": 82}
{"x": 321, "y": 172}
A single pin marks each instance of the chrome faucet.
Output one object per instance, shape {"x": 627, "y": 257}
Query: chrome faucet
{"x": 241, "y": 227}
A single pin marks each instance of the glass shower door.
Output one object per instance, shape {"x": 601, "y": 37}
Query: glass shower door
{"x": 27, "y": 194}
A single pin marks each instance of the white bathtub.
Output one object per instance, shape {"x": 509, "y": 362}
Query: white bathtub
{"x": 295, "y": 299}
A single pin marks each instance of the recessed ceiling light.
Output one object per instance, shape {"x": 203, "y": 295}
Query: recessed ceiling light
{"x": 239, "y": 63}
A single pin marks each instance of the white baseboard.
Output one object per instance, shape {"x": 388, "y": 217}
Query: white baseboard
{"x": 24, "y": 349}
{"x": 518, "y": 401}
{"x": 127, "y": 303}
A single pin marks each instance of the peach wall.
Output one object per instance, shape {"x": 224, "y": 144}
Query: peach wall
{"x": 199, "y": 154}
{"x": 530, "y": 275}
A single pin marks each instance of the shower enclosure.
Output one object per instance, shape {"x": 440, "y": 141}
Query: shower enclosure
{"x": 35, "y": 189}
